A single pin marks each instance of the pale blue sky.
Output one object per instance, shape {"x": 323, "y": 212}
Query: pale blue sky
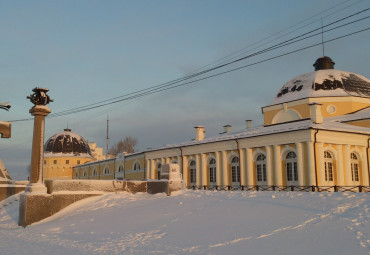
{"x": 87, "y": 51}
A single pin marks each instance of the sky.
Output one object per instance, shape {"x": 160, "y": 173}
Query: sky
{"x": 88, "y": 51}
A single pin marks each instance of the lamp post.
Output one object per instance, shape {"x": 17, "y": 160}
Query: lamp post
{"x": 40, "y": 99}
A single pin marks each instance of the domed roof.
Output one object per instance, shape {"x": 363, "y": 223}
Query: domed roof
{"x": 324, "y": 82}
{"x": 67, "y": 144}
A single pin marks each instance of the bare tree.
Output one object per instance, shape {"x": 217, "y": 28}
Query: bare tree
{"x": 126, "y": 145}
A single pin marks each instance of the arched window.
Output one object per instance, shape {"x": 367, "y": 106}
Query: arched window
{"x": 136, "y": 166}
{"x": 85, "y": 173}
{"x": 261, "y": 169}
{"x": 235, "y": 171}
{"x": 94, "y": 172}
{"x": 106, "y": 170}
{"x": 159, "y": 169}
{"x": 328, "y": 163}
{"x": 354, "y": 167}
{"x": 193, "y": 172}
{"x": 212, "y": 171}
{"x": 291, "y": 168}
{"x": 76, "y": 174}
{"x": 120, "y": 168}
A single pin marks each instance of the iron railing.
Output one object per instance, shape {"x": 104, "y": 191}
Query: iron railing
{"x": 334, "y": 188}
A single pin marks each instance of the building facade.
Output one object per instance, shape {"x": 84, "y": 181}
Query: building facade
{"x": 123, "y": 166}
{"x": 316, "y": 132}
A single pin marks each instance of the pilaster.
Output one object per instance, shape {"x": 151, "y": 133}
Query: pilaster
{"x": 311, "y": 164}
{"x": 249, "y": 162}
{"x": 277, "y": 160}
{"x": 243, "y": 179}
{"x": 269, "y": 166}
{"x": 301, "y": 179}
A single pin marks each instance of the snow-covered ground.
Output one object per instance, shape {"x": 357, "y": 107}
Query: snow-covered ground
{"x": 197, "y": 222}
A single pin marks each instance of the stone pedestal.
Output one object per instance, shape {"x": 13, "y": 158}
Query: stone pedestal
{"x": 39, "y": 111}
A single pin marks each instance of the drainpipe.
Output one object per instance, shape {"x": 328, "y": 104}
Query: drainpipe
{"x": 114, "y": 167}
{"x": 182, "y": 163}
{"x": 145, "y": 166}
{"x": 237, "y": 146}
{"x": 367, "y": 152}
{"x": 314, "y": 152}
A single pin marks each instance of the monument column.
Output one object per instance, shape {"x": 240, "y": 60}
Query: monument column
{"x": 39, "y": 111}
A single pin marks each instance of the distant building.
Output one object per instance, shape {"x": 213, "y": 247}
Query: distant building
{"x": 96, "y": 151}
{"x": 65, "y": 150}
{"x": 123, "y": 166}
{"x": 316, "y": 132}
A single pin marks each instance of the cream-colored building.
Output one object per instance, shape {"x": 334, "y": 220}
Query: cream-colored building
{"x": 123, "y": 166}
{"x": 62, "y": 152}
{"x": 316, "y": 132}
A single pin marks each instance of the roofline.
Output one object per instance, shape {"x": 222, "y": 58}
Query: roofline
{"x": 309, "y": 98}
{"x": 258, "y": 135}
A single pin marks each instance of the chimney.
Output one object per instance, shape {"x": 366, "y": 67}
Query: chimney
{"x": 316, "y": 116}
{"x": 248, "y": 124}
{"x": 227, "y": 128}
{"x": 199, "y": 135}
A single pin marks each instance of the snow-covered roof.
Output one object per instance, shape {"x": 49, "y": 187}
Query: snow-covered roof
{"x": 359, "y": 115}
{"x": 329, "y": 124}
{"x": 67, "y": 144}
{"x": 324, "y": 83}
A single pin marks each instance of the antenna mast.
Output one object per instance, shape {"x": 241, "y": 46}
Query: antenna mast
{"x": 107, "y": 135}
{"x": 322, "y": 37}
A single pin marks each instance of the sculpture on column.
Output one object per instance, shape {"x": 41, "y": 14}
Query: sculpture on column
{"x": 40, "y": 99}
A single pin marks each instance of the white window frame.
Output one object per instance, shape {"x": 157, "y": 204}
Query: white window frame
{"x": 120, "y": 168}
{"x": 291, "y": 168}
{"x": 212, "y": 170}
{"x": 328, "y": 167}
{"x": 193, "y": 172}
{"x": 136, "y": 166}
{"x": 235, "y": 171}
{"x": 261, "y": 172}
{"x": 355, "y": 166}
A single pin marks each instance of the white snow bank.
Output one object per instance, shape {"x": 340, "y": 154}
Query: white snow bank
{"x": 198, "y": 222}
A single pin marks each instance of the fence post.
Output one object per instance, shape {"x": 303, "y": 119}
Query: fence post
{"x": 228, "y": 187}
{"x": 313, "y": 188}
{"x": 242, "y": 187}
{"x": 257, "y": 187}
{"x": 273, "y": 187}
{"x": 359, "y": 188}
{"x": 335, "y": 188}
{"x": 292, "y": 188}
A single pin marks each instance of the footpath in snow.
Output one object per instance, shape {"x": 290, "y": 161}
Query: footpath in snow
{"x": 196, "y": 222}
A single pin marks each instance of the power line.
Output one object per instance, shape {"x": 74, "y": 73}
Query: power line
{"x": 221, "y": 73}
{"x": 282, "y": 44}
{"x": 190, "y": 76}
{"x": 171, "y": 84}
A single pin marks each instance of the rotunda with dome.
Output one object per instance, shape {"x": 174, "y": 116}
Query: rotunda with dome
{"x": 62, "y": 151}
{"x": 337, "y": 92}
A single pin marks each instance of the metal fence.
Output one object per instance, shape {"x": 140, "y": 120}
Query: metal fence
{"x": 334, "y": 188}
